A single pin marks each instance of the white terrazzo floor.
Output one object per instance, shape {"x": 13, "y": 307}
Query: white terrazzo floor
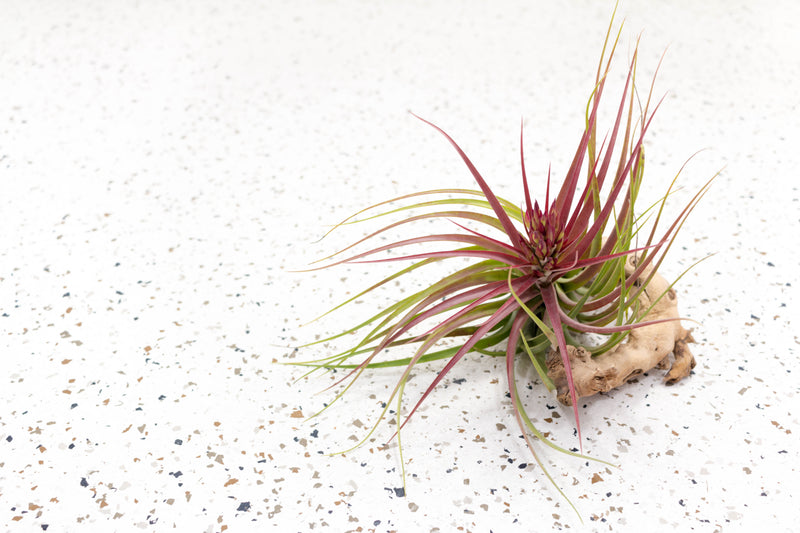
{"x": 164, "y": 165}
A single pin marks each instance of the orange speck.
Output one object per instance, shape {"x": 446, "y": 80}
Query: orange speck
{"x": 66, "y": 361}
{"x": 231, "y": 481}
{"x": 297, "y": 413}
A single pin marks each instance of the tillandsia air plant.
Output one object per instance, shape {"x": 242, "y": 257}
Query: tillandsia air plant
{"x": 577, "y": 263}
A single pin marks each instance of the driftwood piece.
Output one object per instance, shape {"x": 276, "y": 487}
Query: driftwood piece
{"x": 644, "y": 348}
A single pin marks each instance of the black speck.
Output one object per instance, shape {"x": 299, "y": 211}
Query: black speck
{"x": 523, "y": 466}
{"x": 754, "y": 317}
{"x": 176, "y": 474}
{"x": 44, "y": 527}
{"x": 315, "y": 433}
{"x": 244, "y": 506}
{"x": 783, "y": 451}
{"x": 400, "y": 492}
{"x": 681, "y": 502}
{"x": 72, "y": 445}
{"x": 178, "y": 442}
{"x": 9, "y": 438}
{"x": 65, "y": 295}
{"x": 84, "y": 483}
{"x": 763, "y": 493}
{"x": 608, "y": 494}
{"x": 73, "y": 406}
{"x": 769, "y": 264}
{"x": 460, "y": 381}
{"x": 161, "y": 397}
{"x": 376, "y": 523}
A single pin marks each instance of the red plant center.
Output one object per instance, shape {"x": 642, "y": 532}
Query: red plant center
{"x": 545, "y": 238}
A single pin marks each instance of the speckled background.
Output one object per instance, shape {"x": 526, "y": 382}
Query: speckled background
{"x": 164, "y": 165}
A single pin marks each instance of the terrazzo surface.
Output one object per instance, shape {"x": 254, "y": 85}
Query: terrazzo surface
{"x": 166, "y": 165}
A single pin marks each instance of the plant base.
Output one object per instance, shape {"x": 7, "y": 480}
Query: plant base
{"x": 645, "y": 348}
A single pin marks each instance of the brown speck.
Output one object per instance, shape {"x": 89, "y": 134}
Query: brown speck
{"x": 596, "y": 478}
{"x": 297, "y": 413}
{"x": 147, "y": 348}
{"x": 66, "y": 361}
{"x": 231, "y": 481}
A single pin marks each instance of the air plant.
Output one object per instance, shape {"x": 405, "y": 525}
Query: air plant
{"x": 575, "y": 264}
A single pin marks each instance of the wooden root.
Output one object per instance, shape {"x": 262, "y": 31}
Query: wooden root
{"x": 644, "y": 348}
